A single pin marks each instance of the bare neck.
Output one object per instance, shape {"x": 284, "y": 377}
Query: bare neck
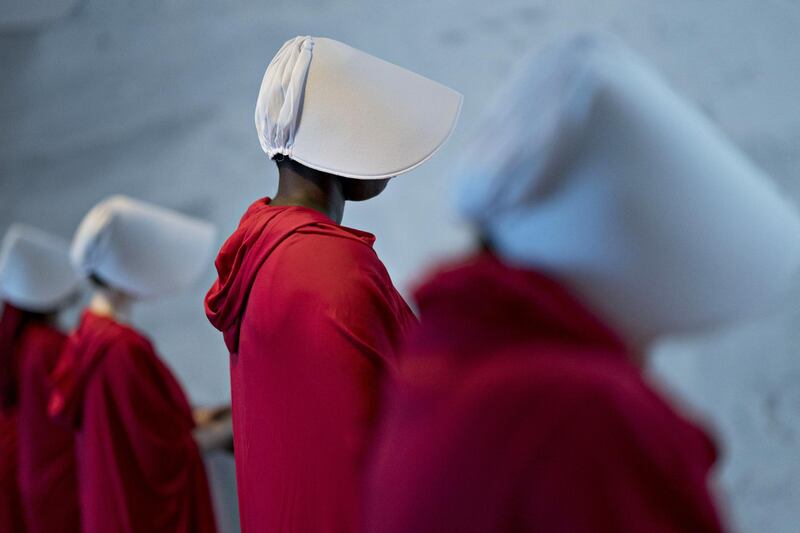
{"x": 302, "y": 186}
{"x": 112, "y": 304}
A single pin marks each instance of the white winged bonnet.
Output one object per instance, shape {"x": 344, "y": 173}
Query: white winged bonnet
{"x": 141, "y": 249}
{"x": 35, "y": 272}
{"x": 599, "y": 174}
{"x": 339, "y": 110}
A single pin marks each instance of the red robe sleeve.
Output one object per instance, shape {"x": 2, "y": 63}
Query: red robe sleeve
{"x": 617, "y": 464}
{"x": 141, "y": 470}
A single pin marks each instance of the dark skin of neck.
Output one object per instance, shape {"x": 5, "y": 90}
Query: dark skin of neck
{"x": 301, "y": 186}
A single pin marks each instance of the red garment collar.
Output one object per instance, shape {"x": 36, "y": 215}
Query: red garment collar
{"x": 261, "y": 230}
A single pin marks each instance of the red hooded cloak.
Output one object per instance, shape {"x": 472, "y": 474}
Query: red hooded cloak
{"x": 312, "y": 322}
{"x": 12, "y": 324}
{"x": 11, "y": 514}
{"x": 139, "y": 468}
{"x": 518, "y": 410}
{"x": 45, "y": 490}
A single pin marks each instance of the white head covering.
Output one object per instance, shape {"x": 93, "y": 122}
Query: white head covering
{"x": 35, "y": 273}
{"x": 339, "y": 110}
{"x": 590, "y": 168}
{"x": 141, "y": 249}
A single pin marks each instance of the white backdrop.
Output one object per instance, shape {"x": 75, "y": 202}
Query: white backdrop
{"x": 155, "y": 99}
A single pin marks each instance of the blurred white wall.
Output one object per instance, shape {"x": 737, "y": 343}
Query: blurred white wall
{"x": 155, "y": 99}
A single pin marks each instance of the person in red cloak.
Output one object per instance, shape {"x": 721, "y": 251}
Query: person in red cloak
{"x": 312, "y": 322}
{"x": 47, "y": 483}
{"x": 517, "y": 409}
{"x": 307, "y": 309}
{"x": 37, "y": 459}
{"x": 139, "y": 467}
{"x": 612, "y": 215}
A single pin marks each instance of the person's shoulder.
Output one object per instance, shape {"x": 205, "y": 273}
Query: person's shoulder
{"x": 44, "y": 337}
{"x": 592, "y": 384}
{"x": 108, "y": 332}
{"x": 334, "y": 246}
{"x": 327, "y": 260}
{"x": 42, "y": 345}
{"x": 570, "y": 369}
{"x": 124, "y": 347}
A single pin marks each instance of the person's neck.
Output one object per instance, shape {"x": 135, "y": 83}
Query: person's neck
{"x": 304, "y": 187}
{"x": 112, "y": 304}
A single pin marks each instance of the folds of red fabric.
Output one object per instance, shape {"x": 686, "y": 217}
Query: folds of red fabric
{"x": 24, "y": 337}
{"x": 11, "y": 513}
{"x": 517, "y": 410}
{"x": 12, "y": 325}
{"x": 139, "y": 468}
{"x": 47, "y": 456}
{"x": 312, "y": 322}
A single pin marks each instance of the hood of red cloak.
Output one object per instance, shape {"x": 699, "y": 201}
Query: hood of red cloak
{"x": 13, "y": 323}
{"x": 83, "y": 351}
{"x": 261, "y": 230}
{"x": 492, "y": 306}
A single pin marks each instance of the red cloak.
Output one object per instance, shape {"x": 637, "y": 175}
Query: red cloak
{"x": 46, "y": 456}
{"x": 12, "y": 324}
{"x": 312, "y": 322}
{"x": 11, "y": 514}
{"x": 518, "y": 410}
{"x": 139, "y": 468}
{"x": 45, "y": 488}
